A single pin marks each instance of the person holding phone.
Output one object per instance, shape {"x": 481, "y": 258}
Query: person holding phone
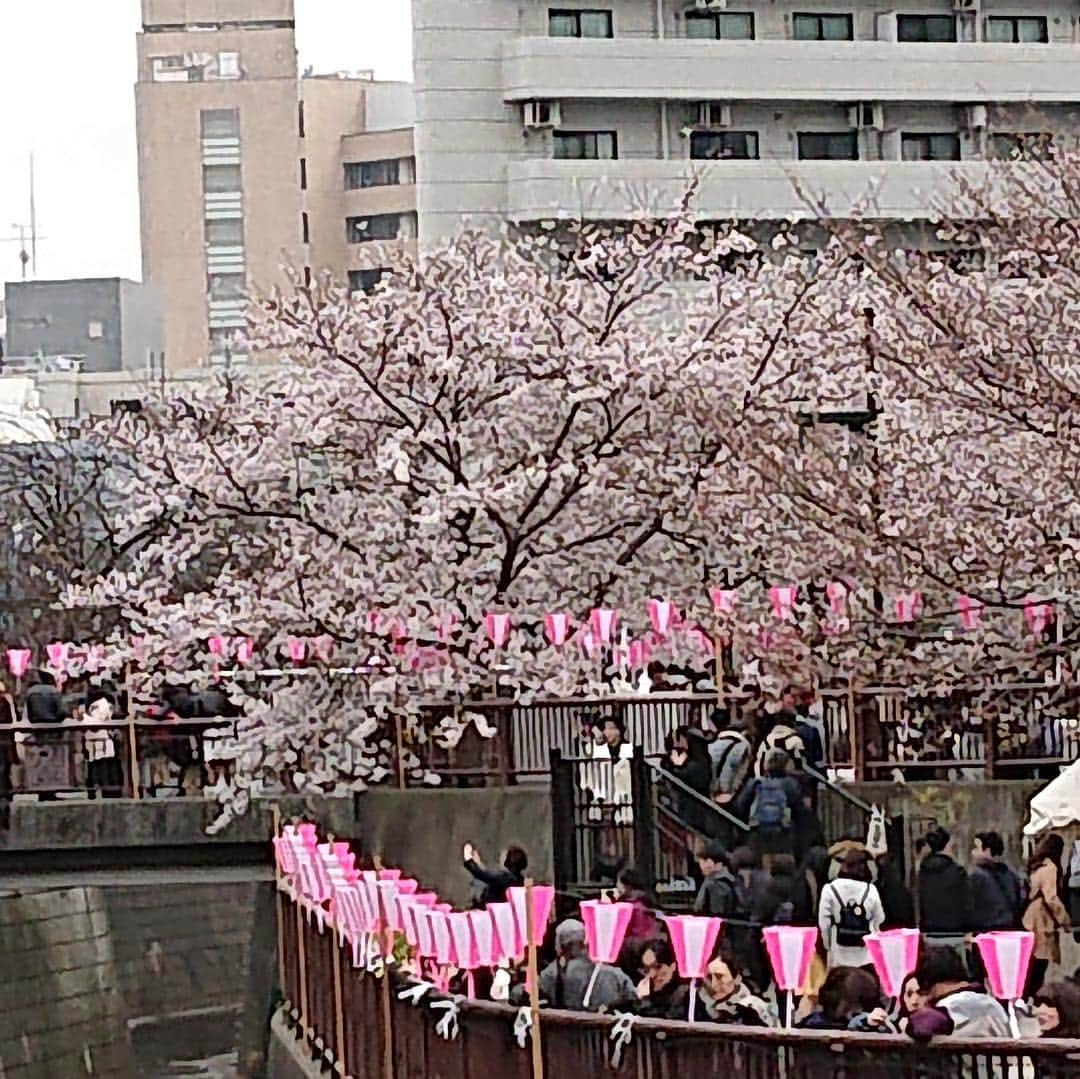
{"x": 491, "y": 884}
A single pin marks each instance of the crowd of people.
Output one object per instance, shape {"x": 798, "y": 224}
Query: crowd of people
{"x": 841, "y": 893}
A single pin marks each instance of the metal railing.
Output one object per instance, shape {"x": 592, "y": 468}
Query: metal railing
{"x": 355, "y": 1022}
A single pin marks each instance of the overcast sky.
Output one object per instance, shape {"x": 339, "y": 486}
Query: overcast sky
{"x": 67, "y": 74}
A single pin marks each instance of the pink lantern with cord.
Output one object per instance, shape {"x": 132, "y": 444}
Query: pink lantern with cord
{"x": 895, "y": 954}
{"x": 285, "y": 856}
{"x": 603, "y": 621}
{"x": 782, "y": 599}
{"x": 462, "y": 935}
{"x": 323, "y": 647}
{"x": 510, "y": 940}
{"x": 389, "y": 874}
{"x": 693, "y": 938}
{"x": 637, "y": 655}
{"x": 425, "y": 934}
{"x": 1038, "y": 616}
{"x": 590, "y": 646}
{"x": 297, "y": 649}
{"x": 308, "y": 834}
{"x": 497, "y": 627}
{"x": 557, "y": 628}
{"x": 217, "y": 646}
{"x": 723, "y": 600}
{"x": 791, "y": 951}
{"x": 18, "y": 660}
{"x": 57, "y": 652}
{"x": 605, "y": 930}
{"x": 908, "y": 606}
{"x": 388, "y": 891}
{"x": 970, "y": 611}
{"x": 663, "y": 615}
{"x": 245, "y": 649}
{"x": 440, "y": 932}
{"x": 1006, "y": 957}
{"x": 543, "y": 899}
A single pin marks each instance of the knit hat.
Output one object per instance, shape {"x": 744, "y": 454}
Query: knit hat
{"x": 568, "y": 932}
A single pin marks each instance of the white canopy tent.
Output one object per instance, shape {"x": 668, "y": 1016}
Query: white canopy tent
{"x": 1057, "y": 805}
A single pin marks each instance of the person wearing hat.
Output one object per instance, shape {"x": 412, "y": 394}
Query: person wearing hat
{"x": 565, "y": 981}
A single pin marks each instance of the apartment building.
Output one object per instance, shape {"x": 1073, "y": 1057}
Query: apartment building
{"x": 249, "y": 170}
{"x": 537, "y": 111}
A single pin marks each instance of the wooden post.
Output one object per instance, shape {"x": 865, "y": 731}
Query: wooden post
{"x": 534, "y": 984}
{"x": 339, "y": 1009}
{"x": 279, "y": 900}
{"x": 133, "y": 752}
{"x": 388, "y": 1024}
{"x": 301, "y": 951}
{"x": 857, "y": 762}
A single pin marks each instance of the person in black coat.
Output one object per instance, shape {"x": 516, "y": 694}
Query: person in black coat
{"x": 44, "y": 702}
{"x": 494, "y": 883}
{"x": 944, "y": 890}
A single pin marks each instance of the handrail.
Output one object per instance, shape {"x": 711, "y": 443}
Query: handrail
{"x": 116, "y": 724}
{"x": 843, "y": 792}
{"x": 699, "y": 798}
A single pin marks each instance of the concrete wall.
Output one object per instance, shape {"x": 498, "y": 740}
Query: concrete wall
{"x": 61, "y": 1010}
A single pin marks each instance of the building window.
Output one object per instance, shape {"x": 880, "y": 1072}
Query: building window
{"x": 373, "y": 227}
{"x": 919, "y": 147}
{"x": 221, "y": 179}
{"x": 305, "y": 228}
{"x": 721, "y": 145}
{"x": 300, "y": 118}
{"x": 303, "y": 174}
{"x": 591, "y": 22}
{"x": 823, "y": 28}
{"x": 720, "y": 25}
{"x": 1021, "y": 146}
{"x": 1017, "y": 29}
{"x": 925, "y": 28}
{"x": 220, "y": 123}
{"x": 360, "y": 174}
{"x": 225, "y": 232}
{"x": 364, "y": 280}
{"x": 227, "y": 286}
{"x": 228, "y": 65}
{"x": 586, "y": 146}
{"x": 828, "y": 146}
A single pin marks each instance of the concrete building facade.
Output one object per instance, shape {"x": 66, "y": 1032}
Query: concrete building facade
{"x": 91, "y": 325}
{"x": 533, "y": 111}
{"x": 241, "y": 168}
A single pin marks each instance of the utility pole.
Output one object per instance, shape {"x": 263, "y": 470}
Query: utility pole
{"x": 28, "y": 257}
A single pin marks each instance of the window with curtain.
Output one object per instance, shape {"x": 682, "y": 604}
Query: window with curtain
{"x": 1017, "y": 29}
{"x": 585, "y": 146}
{"x": 720, "y": 25}
{"x": 723, "y": 145}
{"x": 383, "y": 173}
{"x": 590, "y": 22}
{"x": 373, "y": 227}
{"x": 822, "y": 27}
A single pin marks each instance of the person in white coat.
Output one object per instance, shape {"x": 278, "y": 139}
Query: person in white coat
{"x": 849, "y": 908}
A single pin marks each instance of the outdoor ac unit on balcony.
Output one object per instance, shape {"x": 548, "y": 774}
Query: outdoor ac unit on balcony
{"x": 975, "y": 117}
{"x": 713, "y": 114}
{"x": 542, "y": 114}
{"x": 965, "y": 5}
{"x": 867, "y": 115}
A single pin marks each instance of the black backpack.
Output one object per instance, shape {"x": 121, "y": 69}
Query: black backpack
{"x": 853, "y": 923}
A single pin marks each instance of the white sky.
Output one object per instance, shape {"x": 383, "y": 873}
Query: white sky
{"x": 67, "y": 76}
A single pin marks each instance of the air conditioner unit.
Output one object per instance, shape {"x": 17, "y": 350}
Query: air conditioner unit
{"x": 965, "y": 5}
{"x": 542, "y": 114}
{"x": 867, "y": 115}
{"x": 975, "y": 117}
{"x": 713, "y": 114}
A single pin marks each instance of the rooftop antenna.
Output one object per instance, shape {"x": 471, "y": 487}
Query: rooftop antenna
{"x": 28, "y": 257}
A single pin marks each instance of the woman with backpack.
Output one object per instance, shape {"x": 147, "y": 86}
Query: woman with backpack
{"x": 850, "y": 907}
{"x": 769, "y": 804}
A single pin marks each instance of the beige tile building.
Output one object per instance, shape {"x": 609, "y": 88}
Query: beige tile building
{"x": 247, "y": 169}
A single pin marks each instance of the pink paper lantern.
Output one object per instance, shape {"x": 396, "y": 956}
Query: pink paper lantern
{"x": 1038, "y": 616}
{"x": 407, "y": 886}
{"x": 348, "y": 912}
{"x": 245, "y": 649}
{"x": 509, "y": 939}
{"x": 389, "y": 874}
{"x": 791, "y": 951}
{"x": 444, "y": 942}
{"x": 603, "y": 621}
{"x": 837, "y": 593}
{"x": 970, "y": 611}
{"x": 497, "y": 627}
{"x": 341, "y": 850}
{"x": 557, "y": 627}
{"x": 605, "y": 928}
{"x": 637, "y": 655}
{"x": 895, "y": 954}
{"x": 323, "y": 647}
{"x": 461, "y": 933}
{"x": 484, "y": 938}
{"x": 723, "y": 599}
{"x": 663, "y": 615}
{"x": 543, "y": 899}
{"x": 18, "y": 660}
{"x": 217, "y": 646}
{"x": 908, "y": 606}
{"x": 1006, "y": 957}
{"x": 285, "y": 856}
{"x": 590, "y": 645}
{"x": 388, "y": 891}
{"x": 782, "y": 599}
{"x": 309, "y": 834}
{"x": 693, "y": 938}
{"x": 57, "y": 652}
{"x": 297, "y": 649}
